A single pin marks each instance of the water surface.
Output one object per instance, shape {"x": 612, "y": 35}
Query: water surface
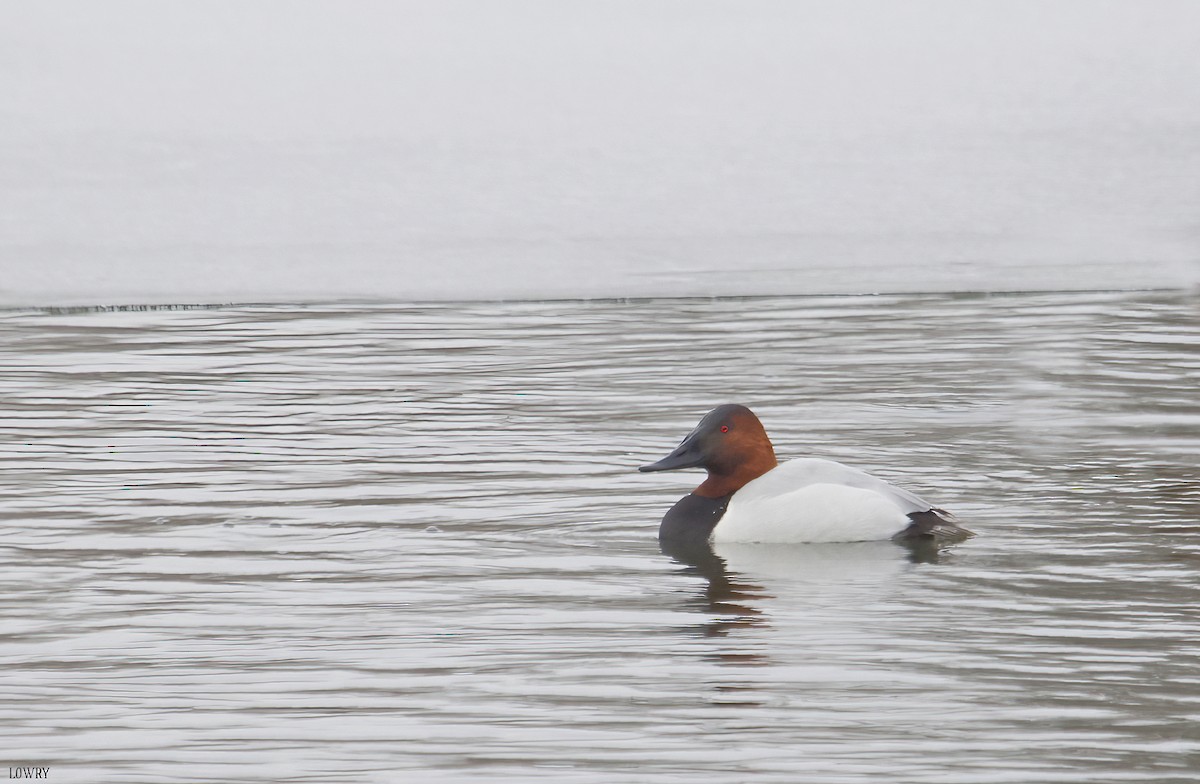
{"x": 388, "y": 543}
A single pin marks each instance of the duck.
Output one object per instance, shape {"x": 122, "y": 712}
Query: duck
{"x": 749, "y": 496}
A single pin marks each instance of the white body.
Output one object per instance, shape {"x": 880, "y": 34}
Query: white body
{"x": 813, "y": 500}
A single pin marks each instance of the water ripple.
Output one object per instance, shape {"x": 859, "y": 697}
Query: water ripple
{"x": 359, "y": 542}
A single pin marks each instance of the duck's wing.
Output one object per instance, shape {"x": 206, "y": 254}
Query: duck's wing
{"x": 813, "y": 470}
{"x": 928, "y": 521}
{"x": 778, "y": 489}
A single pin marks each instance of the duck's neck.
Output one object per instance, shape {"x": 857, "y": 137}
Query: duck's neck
{"x": 750, "y": 467}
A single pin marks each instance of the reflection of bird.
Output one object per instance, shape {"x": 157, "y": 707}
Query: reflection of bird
{"x": 730, "y": 598}
{"x": 750, "y": 497}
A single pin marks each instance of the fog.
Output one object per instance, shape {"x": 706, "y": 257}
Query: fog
{"x": 300, "y": 151}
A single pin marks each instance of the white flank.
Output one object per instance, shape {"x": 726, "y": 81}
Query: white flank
{"x": 812, "y": 500}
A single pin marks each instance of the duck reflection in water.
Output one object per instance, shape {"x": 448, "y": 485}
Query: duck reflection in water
{"x": 727, "y": 596}
{"x": 744, "y": 582}
{"x": 734, "y": 594}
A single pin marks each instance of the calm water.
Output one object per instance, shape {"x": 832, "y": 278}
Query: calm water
{"x": 285, "y": 544}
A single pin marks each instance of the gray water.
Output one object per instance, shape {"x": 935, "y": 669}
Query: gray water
{"x": 407, "y": 543}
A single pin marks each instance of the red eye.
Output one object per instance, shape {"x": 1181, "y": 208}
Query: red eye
{"x": 724, "y": 428}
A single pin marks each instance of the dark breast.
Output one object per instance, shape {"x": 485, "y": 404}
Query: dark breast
{"x": 692, "y": 519}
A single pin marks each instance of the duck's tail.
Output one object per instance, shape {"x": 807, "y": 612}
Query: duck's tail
{"x": 936, "y": 524}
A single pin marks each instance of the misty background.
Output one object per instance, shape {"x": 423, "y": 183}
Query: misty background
{"x": 311, "y": 151}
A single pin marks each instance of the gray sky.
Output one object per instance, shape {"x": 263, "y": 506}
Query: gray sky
{"x": 471, "y": 70}
{"x": 444, "y": 148}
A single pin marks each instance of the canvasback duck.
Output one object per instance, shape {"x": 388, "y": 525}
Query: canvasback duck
{"x": 750, "y": 497}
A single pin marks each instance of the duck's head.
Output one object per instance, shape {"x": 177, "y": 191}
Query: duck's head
{"x": 730, "y": 443}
